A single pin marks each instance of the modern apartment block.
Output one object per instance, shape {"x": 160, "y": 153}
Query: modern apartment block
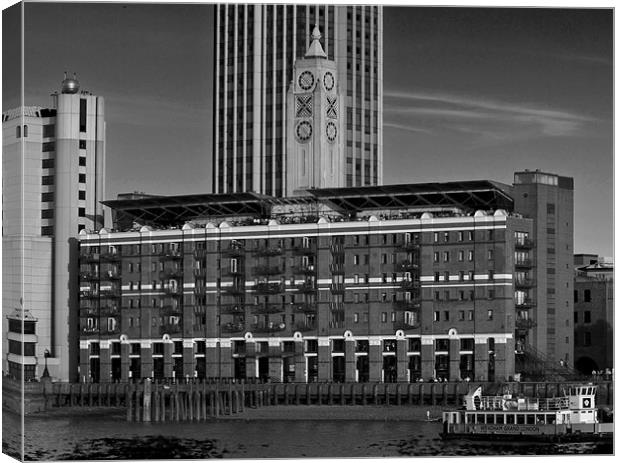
{"x": 594, "y": 314}
{"x": 53, "y": 162}
{"x": 256, "y": 47}
{"x": 391, "y": 283}
{"x": 548, "y": 199}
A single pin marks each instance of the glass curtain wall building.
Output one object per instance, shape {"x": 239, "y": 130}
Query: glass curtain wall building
{"x": 255, "y": 49}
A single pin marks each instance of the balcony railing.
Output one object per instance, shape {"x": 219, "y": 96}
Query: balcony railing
{"x": 171, "y": 254}
{"x": 305, "y": 327}
{"x": 173, "y": 290}
{"x": 200, "y": 290}
{"x": 410, "y": 305}
{"x": 524, "y": 304}
{"x": 86, "y": 311}
{"x": 268, "y": 327}
{"x": 110, "y": 275}
{"x": 407, "y": 266}
{"x": 110, "y": 255}
{"x": 89, "y": 257}
{"x": 232, "y": 251}
{"x": 409, "y": 246}
{"x": 337, "y": 287}
{"x": 171, "y": 310}
{"x": 269, "y": 288}
{"x": 409, "y": 284}
{"x": 267, "y": 270}
{"x": 306, "y": 287}
{"x": 171, "y": 273}
{"x": 267, "y": 308}
{"x": 305, "y": 270}
{"x": 269, "y": 251}
{"x": 89, "y": 276}
{"x": 233, "y": 290}
{"x": 89, "y": 294}
{"x": 524, "y": 324}
{"x": 306, "y": 307}
{"x": 110, "y": 292}
{"x": 524, "y": 263}
{"x": 336, "y": 268}
{"x": 337, "y": 249}
{"x": 304, "y": 250}
{"x": 524, "y": 283}
{"x": 524, "y": 244}
{"x": 411, "y": 325}
{"x": 169, "y": 329}
{"x": 108, "y": 311}
{"x": 200, "y": 272}
{"x": 200, "y": 253}
{"x": 232, "y": 309}
{"x": 90, "y": 330}
{"x": 233, "y": 327}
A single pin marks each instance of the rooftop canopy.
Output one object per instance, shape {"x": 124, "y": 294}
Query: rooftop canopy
{"x": 176, "y": 210}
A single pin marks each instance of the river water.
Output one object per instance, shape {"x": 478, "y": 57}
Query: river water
{"x": 106, "y": 435}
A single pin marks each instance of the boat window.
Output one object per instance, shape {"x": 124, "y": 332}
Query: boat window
{"x": 550, "y": 419}
{"x": 540, "y": 419}
{"x": 510, "y": 419}
{"x": 583, "y": 391}
{"x": 469, "y": 418}
{"x": 499, "y": 419}
{"x": 530, "y": 418}
{"x": 490, "y": 418}
{"x": 520, "y": 418}
{"x": 480, "y": 418}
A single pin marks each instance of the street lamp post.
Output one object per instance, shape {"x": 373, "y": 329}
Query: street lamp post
{"x": 46, "y": 373}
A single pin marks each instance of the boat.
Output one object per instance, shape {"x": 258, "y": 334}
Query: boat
{"x": 572, "y": 417}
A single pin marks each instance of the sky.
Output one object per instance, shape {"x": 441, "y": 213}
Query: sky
{"x": 469, "y": 93}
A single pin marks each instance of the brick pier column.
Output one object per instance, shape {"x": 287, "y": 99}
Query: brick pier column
{"x": 402, "y": 361}
{"x": 84, "y": 361}
{"x": 481, "y": 358}
{"x": 325, "y": 360}
{"x": 455, "y": 359}
{"x": 275, "y": 359}
{"x": 350, "y": 365}
{"x": 105, "y": 361}
{"x": 375, "y": 360}
{"x": 427, "y": 354}
{"x": 189, "y": 365}
{"x": 146, "y": 359}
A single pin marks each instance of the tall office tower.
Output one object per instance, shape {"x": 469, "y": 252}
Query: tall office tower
{"x": 315, "y": 146}
{"x": 548, "y": 199}
{"x": 255, "y": 49}
{"x": 52, "y": 177}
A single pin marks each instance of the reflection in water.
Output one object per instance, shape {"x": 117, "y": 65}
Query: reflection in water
{"x": 108, "y": 436}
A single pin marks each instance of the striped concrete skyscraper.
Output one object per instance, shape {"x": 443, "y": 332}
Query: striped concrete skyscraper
{"x": 255, "y": 49}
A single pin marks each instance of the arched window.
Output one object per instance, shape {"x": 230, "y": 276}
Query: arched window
{"x": 25, "y": 131}
{"x": 18, "y": 131}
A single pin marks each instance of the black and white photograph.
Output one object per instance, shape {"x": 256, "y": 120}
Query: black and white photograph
{"x": 299, "y": 231}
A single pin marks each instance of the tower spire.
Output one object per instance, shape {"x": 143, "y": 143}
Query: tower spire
{"x": 315, "y": 50}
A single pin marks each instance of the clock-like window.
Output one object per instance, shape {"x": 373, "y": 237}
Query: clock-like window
{"x": 328, "y": 81}
{"x": 306, "y": 80}
{"x": 331, "y": 131}
{"x": 304, "y": 131}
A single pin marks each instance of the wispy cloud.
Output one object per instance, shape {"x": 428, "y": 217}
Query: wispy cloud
{"x": 479, "y": 119}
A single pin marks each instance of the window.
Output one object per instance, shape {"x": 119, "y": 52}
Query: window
{"x": 436, "y": 316}
{"x": 461, "y": 315}
{"x": 47, "y": 163}
{"x": 25, "y": 131}
{"x": 491, "y": 235}
{"x": 383, "y": 317}
{"x": 356, "y": 317}
{"x": 436, "y": 237}
{"x": 470, "y": 315}
{"x": 491, "y": 275}
{"x": 82, "y": 115}
{"x": 446, "y": 295}
{"x": 18, "y": 131}
{"x": 461, "y": 256}
{"x": 587, "y": 317}
{"x": 47, "y": 214}
{"x": 356, "y": 279}
{"x": 446, "y": 316}
{"x": 587, "y": 296}
{"x": 446, "y": 236}
{"x": 49, "y": 130}
{"x": 384, "y": 278}
{"x": 490, "y": 254}
{"x": 384, "y": 258}
{"x": 470, "y": 275}
{"x": 490, "y": 314}
{"x": 491, "y": 294}
{"x": 461, "y": 235}
{"x": 47, "y": 231}
{"x": 82, "y": 178}
{"x": 82, "y": 161}
{"x": 436, "y": 276}
{"x": 446, "y": 256}
{"x": 461, "y": 295}
{"x": 81, "y": 194}
{"x": 446, "y": 276}
{"x": 550, "y": 208}
{"x": 48, "y": 146}
{"x": 356, "y": 259}
{"x": 470, "y": 235}
{"x": 576, "y": 317}
{"x": 82, "y": 144}
{"x": 461, "y": 275}
{"x": 47, "y": 197}
{"x": 81, "y": 212}
{"x": 437, "y": 296}
{"x": 470, "y": 256}
{"x": 435, "y": 257}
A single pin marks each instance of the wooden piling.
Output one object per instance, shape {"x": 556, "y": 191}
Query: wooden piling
{"x": 146, "y": 401}
{"x": 129, "y": 402}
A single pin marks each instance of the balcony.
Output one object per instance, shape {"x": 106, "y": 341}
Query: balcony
{"x": 233, "y": 272}
{"x": 337, "y": 249}
{"x": 90, "y": 330}
{"x": 89, "y": 276}
{"x": 523, "y": 263}
{"x": 305, "y": 327}
{"x": 305, "y": 307}
{"x": 304, "y": 270}
{"x": 171, "y": 254}
{"x": 170, "y": 328}
{"x": 407, "y": 266}
{"x": 170, "y": 273}
{"x": 524, "y": 304}
{"x": 307, "y": 287}
{"x": 267, "y": 308}
{"x": 173, "y": 290}
{"x": 409, "y": 325}
{"x": 232, "y": 309}
{"x": 524, "y": 244}
{"x": 109, "y": 311}
{"x": 233, "y": 328}
{"x": 410, "y": 305}
{"x": 233, "y": 250}
{"x": 303, "y": 251}
{"x": 524, "y": 283}
{"x": 89, "y": 257}
{"x": 337, "y": 288}
{"x": 109, "y": 293}
{"x": 88, "y": 311}
{"x": 89, "y": 294}
{"x": 524, "y": 324}
{"x": 409, "y": 246}
{"x": 336, "y": 268}
{"x": 171, "y": 310}
{"x": 269, "y": 251}
{"x": 269, "y": 288}
{"x": 408, "y": 285}
{"x": 271, "y": 327}
{"x": 111, "y": 256}
{"x": 110, "y": 275}
{"x": 200, "y": 290}
{"x": 266, "y": 270}
{"x": 234, "y": 290}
